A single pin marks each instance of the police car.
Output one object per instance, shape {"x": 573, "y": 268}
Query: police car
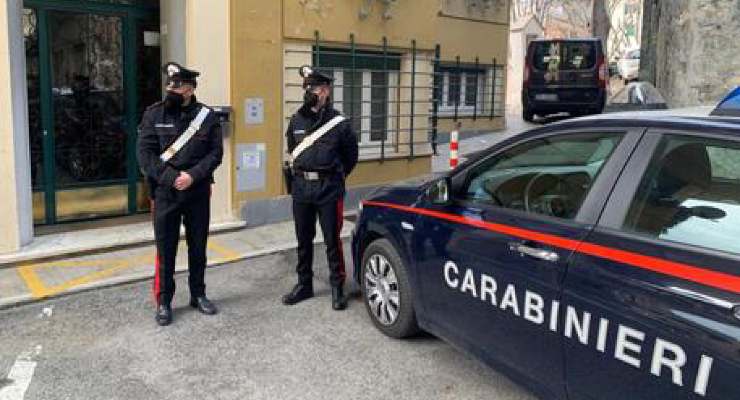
{"x": 596, "y": 258}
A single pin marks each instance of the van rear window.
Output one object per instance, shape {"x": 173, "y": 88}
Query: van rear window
{"x": 564, "y": 56}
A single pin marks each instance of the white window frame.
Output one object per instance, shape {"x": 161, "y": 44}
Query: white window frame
{"x": 482, "y": 99}
{"x": 368, "y": 147}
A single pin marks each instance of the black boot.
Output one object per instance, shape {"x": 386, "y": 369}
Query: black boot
{"x": 203, "y": 305}
{"x": 164, "y": 314}
{"x": 299, "y": 293}
{"x": 338, "y": 301}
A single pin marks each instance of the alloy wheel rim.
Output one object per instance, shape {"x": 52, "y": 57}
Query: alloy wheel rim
{"x": 381, "y": 288}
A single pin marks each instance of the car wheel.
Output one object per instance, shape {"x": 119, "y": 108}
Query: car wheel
{"x": 386, "y": 290}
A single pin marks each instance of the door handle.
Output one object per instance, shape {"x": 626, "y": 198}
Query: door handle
{"x": 723, "y": 304}
{"x": 541, "y": 254}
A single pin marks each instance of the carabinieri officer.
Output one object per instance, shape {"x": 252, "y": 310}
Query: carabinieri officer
{"x": 179, "y": 147}
{"x": 323, "y": 150}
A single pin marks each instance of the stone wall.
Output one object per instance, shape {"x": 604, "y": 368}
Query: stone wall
{"x": 691, "y": 51}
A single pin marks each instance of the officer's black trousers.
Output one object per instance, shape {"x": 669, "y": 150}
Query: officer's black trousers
{"x": 330, "y": 216}
{"x": 169, "y": 214}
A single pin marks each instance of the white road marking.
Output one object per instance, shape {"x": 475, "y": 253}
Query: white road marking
{"x": 20, "y": 375}
{"x": 20, "y": 378}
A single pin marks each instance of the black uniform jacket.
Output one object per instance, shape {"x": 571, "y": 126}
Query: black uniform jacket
{"x": 199, "y": 157}
{"x": 334, "y": 154}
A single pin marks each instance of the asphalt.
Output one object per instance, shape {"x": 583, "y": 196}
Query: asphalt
{"x": 104, "y": 344}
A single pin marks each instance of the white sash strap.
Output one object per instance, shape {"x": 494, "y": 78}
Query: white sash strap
{"x": 310, "y": 139}
{"x": 187, "y": 135}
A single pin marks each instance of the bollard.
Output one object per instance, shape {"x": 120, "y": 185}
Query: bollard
{"x": 454, "y": 141}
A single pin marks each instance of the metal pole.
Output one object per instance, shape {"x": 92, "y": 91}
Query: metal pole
{"x": 457, "y": 73}
{"x": 413, "y": 97}
{"x": 316, "y": 46}
{"x": 493, "y": 89}
{"x": 385, "y": 108}
{"x": 436, "y": 96}
{"x": 475, "y": 102}
{"x": 352, "y": 87}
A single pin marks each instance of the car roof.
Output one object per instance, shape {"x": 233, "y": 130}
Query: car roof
{"x": 690, "y": 119}
{"x": 694, "y": 118}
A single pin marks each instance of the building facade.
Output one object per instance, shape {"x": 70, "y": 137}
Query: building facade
{"x": 77, "y": 75}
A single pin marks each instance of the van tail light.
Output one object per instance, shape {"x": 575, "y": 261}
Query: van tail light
{"x": 527, "y": 72}
{"x": 603, "y": 72}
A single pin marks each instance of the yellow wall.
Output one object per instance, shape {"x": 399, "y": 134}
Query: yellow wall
{"x": 469, "y": 39}
{"x": 16, "y": 225}
{"x": 455, "y": 28}
{"x": 262, "y": 32}
{"x": 336, "y": 19}
{"x": 207, "y": 50}
{"x": 366, "y": 172}
{"x": 256, "y": 71}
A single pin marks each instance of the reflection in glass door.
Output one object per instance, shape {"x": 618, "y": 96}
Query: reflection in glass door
{"x": 88, "y": 103}
{"x": 91, "y": 69}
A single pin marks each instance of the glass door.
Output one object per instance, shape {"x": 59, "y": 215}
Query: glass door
{"x": 91, "y": 71}
{"x": 88, "y": 105}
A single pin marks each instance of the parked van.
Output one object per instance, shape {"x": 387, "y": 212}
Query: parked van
{"x": 564, "y": 75}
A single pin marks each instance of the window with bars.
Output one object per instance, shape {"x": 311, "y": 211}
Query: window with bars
{"x": 469, "y": 90}
{"x": 365, "y": 89}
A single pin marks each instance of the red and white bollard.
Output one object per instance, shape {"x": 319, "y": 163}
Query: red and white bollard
{"x": 454, "y": 143}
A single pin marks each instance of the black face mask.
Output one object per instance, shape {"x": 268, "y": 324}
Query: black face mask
{"x": 173, "y": 101}
{"x": 310, "y": 99}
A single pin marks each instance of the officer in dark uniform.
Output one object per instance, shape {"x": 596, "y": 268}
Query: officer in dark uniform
{"x": 319, "y": 170}
{"x": 179, "y": 148}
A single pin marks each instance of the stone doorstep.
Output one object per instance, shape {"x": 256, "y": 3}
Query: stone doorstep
{"x": 95, "y": 240}
{"x": 27, "y": 298}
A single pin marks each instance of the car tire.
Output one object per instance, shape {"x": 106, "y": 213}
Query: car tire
{"x": 386, "y": 289}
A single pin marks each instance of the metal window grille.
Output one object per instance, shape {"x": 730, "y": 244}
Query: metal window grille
{"x": 470, "y": 89}
{"x": 387, "y": 92}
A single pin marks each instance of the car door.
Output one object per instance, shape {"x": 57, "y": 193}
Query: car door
{"x": 660, "y": 277}
{"x": 491, "y": 262}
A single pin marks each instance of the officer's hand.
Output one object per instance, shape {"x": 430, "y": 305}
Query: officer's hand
{"x": 183, "y": 181}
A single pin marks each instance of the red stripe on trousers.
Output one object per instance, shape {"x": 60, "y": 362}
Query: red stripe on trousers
{"x": 155, "y": 285}
{"x": 340, "y": 223}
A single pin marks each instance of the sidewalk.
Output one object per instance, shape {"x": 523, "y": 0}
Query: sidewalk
{"x": 35, "y": 278}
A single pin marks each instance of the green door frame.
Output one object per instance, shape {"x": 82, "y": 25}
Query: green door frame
{"x": 131, "y": 14}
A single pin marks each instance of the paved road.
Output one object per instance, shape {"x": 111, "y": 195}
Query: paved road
{"x": 104, "y": 344}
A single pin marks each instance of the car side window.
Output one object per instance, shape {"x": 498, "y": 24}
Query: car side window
{"x": 690, "y": 194}
{"x": 549, "y": 176}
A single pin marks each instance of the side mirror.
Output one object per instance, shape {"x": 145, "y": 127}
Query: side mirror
{"x": 439, "y": 192}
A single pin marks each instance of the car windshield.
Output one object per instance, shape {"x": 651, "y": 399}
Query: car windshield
{"x": 564, "y": 55}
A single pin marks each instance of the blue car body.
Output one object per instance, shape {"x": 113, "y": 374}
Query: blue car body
{"x": 598, "y": 312}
